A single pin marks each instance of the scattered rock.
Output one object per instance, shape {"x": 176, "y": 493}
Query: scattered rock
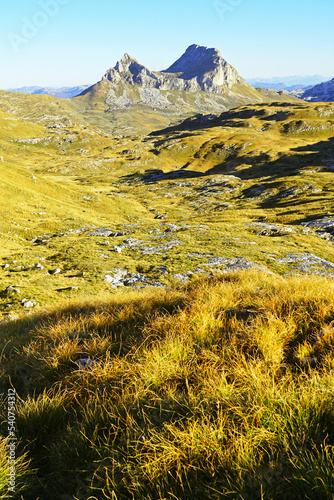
{"x": 28, "y": 303}
{"x": 108, "y": 233}
{"x": 308, "y": 263}
{"x": 40, "y": 240}
{"x": 263, "y": 229}
{"x": 323, "y": 226}
{"x": 54, "y": 271}
{"x": 8, "y": 318}
{"x": 162, "y": 269}
{"x": 123, "y": 278}
{"x": 202, "y": 255}
{"x": 151, "y": 246}
{"x": 118, "y": 278}
{"x": 182, "y": 277}
{"x": 236, "y": 264}
{"x": 171, "y": 228}
{"x": 78, "y": 231}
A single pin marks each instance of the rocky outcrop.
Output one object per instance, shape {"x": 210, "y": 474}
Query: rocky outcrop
{"x": 198, "y": 69}
{"x": 200, "y": 81}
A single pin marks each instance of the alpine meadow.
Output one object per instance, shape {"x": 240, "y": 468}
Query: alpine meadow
{"x": 166, "y": 275}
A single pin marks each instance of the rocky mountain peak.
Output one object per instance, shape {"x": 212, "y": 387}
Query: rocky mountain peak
{"x": 198, "y": 69}
{"x": 124, "y": 64}
{"x": 207, "y": 66}
{"x": 196, "y": 59}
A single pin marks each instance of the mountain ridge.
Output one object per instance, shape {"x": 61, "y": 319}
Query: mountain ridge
{"x": 60, "y": 92}
{"x": 130, "y": 96}
{"x": 321, "y": 92}
{"x": 287, "y": 82}
{"x": 198, "y": 69}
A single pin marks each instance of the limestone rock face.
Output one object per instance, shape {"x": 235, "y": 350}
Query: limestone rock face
{"x": 135, "y": 99}
{"x": 206, "y": 68}
{"x": 198, "y": 69}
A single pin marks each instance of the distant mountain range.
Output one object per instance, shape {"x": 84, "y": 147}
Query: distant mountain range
{"x": 287, "y": 82}
{"x": 63, "y": 92}
{"x": 212, "y": 83}
{"x": 131, "y": 97}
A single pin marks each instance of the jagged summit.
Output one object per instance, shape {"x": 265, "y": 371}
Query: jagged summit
{"x": 124, "y": 63}
{"x": 134, "y": 98}
{"x": 195, "y": 54}
{"x": 208, "y": 66}
{"x": 197, "y": 60}
{"x": 128, "y": 63}
{"x": 198, "y": 69}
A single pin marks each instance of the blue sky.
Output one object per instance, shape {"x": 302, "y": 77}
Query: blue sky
{"x": 69, "y": 42}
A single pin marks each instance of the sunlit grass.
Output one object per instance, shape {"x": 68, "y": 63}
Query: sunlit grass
{"x": 196, "y": 392}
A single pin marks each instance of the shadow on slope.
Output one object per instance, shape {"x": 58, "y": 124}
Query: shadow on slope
{"x": 249, "y": 167}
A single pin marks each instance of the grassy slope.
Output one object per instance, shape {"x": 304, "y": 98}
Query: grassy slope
{"x": 201, "y": 391}
{"x": 204, "y": 391}
{"x": 136, "y": 117}
{"x": 78, "y": 178}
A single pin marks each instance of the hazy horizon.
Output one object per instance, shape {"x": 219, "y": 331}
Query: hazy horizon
{"x": 264, "y": 80}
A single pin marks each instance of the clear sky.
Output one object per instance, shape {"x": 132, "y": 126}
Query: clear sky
{"x": 70, "y": 42}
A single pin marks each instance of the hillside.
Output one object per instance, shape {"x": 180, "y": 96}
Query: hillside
{"x": 227, "y": 191}
{"x": 40, "y": 109}
{"x": 322, "y": 92}
{"x": 166, "y": 303}
{"x": 131, "y": 99}
{"x": 220, "y": 389}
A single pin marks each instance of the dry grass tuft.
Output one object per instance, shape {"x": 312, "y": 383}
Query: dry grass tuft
{"x": 220, "y": 389}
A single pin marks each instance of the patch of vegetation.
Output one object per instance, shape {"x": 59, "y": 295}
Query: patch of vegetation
{"x": 221, "y": 387}
{"x": 204, "y": 390}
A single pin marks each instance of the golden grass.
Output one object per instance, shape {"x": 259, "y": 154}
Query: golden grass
{"x": 217, "y": 389}
{"x": 199, "y": 391}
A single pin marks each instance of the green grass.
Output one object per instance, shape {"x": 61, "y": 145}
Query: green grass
{"x": 213, "y": 389}
{"x": 199, "y": 391}
{"x": 82, "y": 178}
